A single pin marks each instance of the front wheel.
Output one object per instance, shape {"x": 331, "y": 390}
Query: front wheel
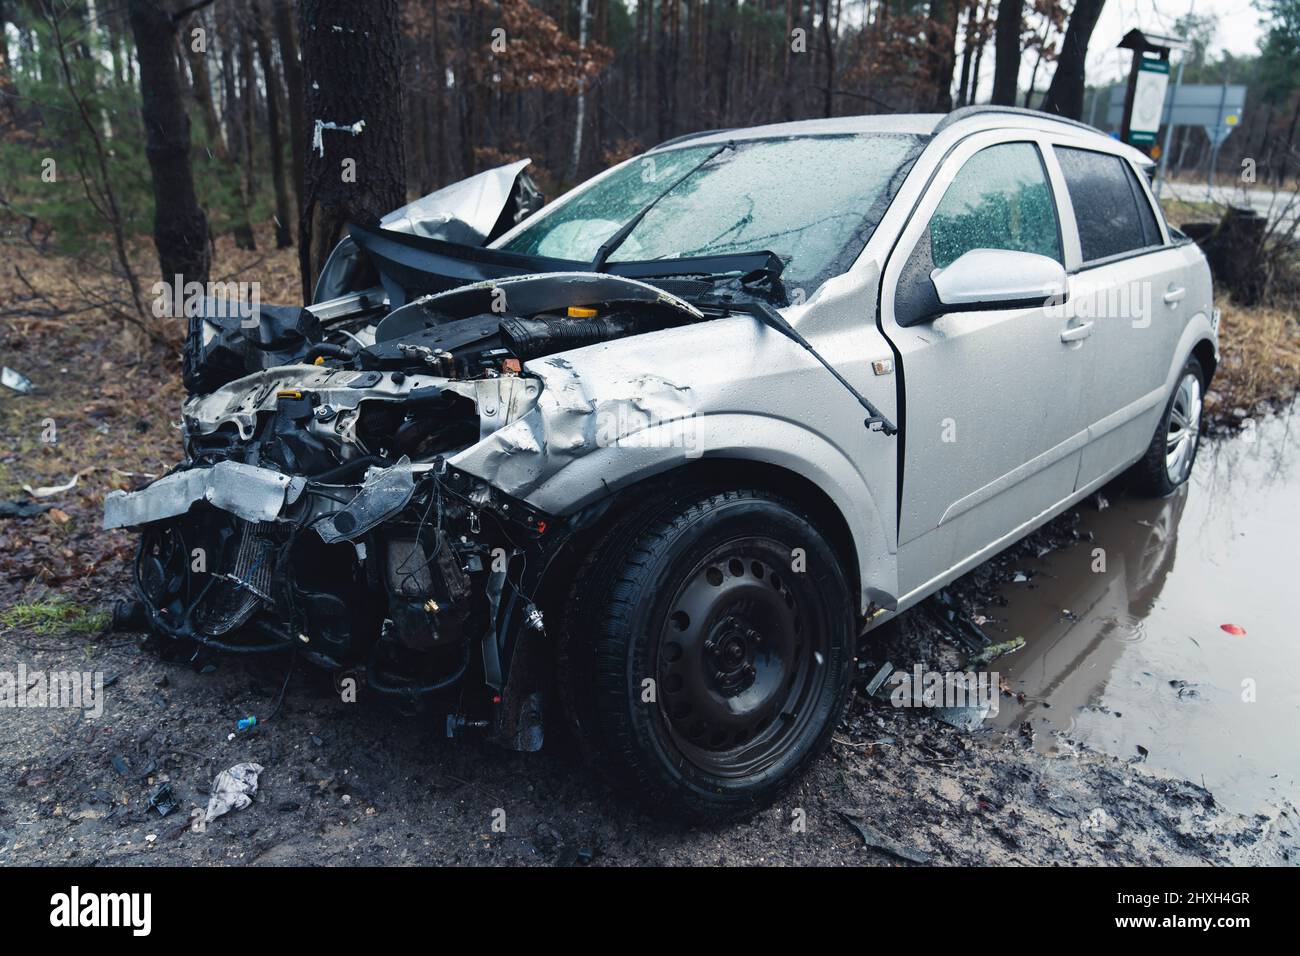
{"x": 708, "y": 651}
{"x": 1168, "y": 461}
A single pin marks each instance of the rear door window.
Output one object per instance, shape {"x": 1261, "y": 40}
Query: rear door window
{"x": 1111, "y": 211}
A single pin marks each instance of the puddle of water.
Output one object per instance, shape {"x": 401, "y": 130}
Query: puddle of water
{"x": 1141, "y": 660}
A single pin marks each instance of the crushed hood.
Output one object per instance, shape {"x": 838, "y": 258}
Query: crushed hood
{"x": 470, "y": 213}
{"x": 466, "y": 211}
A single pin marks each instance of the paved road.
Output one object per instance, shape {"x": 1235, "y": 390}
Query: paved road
{"x": 1278, "y": 205}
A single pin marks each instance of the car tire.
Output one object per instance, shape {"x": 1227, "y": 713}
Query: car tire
{"x": 705, "y": 658}
{"x": 1169, "y": 458}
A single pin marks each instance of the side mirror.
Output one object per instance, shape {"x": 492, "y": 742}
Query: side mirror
{"x": 999, "y": 279}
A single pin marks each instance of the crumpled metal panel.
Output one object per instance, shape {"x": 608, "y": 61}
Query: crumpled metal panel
{"x": 251, "y": 493}
{"x": 385, "y": 493}
{"x": 464, "y": 212}
{"x": 574, "y": 416}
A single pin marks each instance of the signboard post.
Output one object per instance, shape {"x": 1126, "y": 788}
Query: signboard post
{"x": 1148, "y": 101}
{"x": 1148, "y": 80}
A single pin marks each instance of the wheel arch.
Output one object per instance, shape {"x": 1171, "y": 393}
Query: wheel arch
{"x": 859, "y": 546}
{"x": 1199, "y": 340}
{"x": 1205, "y": 353}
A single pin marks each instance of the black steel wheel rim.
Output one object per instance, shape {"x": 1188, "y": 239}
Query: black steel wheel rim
{"x": 741, "y": 658}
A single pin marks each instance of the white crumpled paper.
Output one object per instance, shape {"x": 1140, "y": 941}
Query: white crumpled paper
{"x": 233, "y": 789}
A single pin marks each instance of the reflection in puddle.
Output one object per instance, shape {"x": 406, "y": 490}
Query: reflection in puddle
{"x": 1125, "y": 647}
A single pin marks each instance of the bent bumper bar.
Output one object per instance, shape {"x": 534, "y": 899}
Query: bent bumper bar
{"x": 251, "y": 493}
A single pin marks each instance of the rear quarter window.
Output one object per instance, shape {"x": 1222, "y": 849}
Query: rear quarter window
{"x": 1110, "y": 209}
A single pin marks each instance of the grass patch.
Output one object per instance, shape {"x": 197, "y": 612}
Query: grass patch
{"x": 1259, "y": 359}
{"x": 54, "y": 616}
{"x": 1180, "y": 211}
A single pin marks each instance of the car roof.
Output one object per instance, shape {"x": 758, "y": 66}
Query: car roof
{"x": 918, "y": 124}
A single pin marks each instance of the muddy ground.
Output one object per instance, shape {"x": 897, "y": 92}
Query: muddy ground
{"x": 359, "y": 783}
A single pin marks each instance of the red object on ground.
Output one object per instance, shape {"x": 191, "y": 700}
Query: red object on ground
{"x": 1234, "y": 630}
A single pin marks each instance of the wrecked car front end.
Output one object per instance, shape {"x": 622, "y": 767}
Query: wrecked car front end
{"x": 335, "y": 506}
{"x": 394, "y": 480}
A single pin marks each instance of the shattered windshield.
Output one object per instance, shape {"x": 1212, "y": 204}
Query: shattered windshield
{"x": 814, "y": 201}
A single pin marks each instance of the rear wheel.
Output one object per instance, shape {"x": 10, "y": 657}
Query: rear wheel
{"x": 708, "y": 651}
{"x": 1168, "y": 461}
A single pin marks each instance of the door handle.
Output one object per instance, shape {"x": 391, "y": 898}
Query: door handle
{"x": 1175, "y": 294}
{"x": 1076, "y": 333}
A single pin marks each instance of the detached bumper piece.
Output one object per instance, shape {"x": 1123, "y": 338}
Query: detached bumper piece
{"x": 254, "y": 494}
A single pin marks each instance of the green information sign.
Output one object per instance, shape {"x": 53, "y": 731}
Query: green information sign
{"x": 1148, "y": 101}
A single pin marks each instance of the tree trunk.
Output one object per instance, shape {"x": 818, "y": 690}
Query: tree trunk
{"x": 283, "y": 227}
{"x": 1033, "y": 76}
{"x": 942, "y": 40}
{"x": 287, "y": 40}
{"x": 967, "y": 52}
{"x": 575, "y": 159}
{"x": 198, "y": 62}
{"x": 828, "y": 41}
{"x": 180, "y": 229}
{"x": 1065, "y": 95}
{"x": 1006, "y": 46}
{"x": 356, "y": 164}
{"x": 248, "y": 119}
{"x": 236, "y": 135}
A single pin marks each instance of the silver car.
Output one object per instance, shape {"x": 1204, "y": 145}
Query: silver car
{"x": 648, "y": 461}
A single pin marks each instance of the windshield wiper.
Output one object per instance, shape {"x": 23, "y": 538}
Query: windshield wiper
{"x": 613, "y": 242}
{"x": 876, "y": 422}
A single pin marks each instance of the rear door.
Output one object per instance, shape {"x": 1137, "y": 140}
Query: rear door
{"x": 993, "y": 428}
{"x": 1128, "y": 284}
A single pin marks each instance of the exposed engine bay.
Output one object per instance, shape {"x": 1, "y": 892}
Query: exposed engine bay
{"x": 320, "y": 507}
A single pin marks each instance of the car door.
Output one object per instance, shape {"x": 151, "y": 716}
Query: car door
{"x": 993, "y": 428}
{"x": 1129, "y": 286}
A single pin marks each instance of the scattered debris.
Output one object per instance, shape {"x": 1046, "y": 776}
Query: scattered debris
{"x": 1098, "y": 824}
{"x": 994, "y": 651}
{"x": 247, "y": 723}
{"x": 966, "y": 719}
{"x": 964, "y": 628}
{"x": 572, "y": 854}
{"x": 47, "y": 491}
{"x": 21, "y": 509}
{"x": 17, "y": 381}
{"x": 233, "y": 789}
{"x": 163, "y": 800}
{"x": 878, "y": 841}
{"x": 1233, "y": 629}
{"x": 878, "y": 681}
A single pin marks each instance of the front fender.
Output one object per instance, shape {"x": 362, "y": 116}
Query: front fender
{"x": 665, "y": 446}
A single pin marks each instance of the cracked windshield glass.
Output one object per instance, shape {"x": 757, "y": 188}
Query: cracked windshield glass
{"x": 814, "y": 202}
